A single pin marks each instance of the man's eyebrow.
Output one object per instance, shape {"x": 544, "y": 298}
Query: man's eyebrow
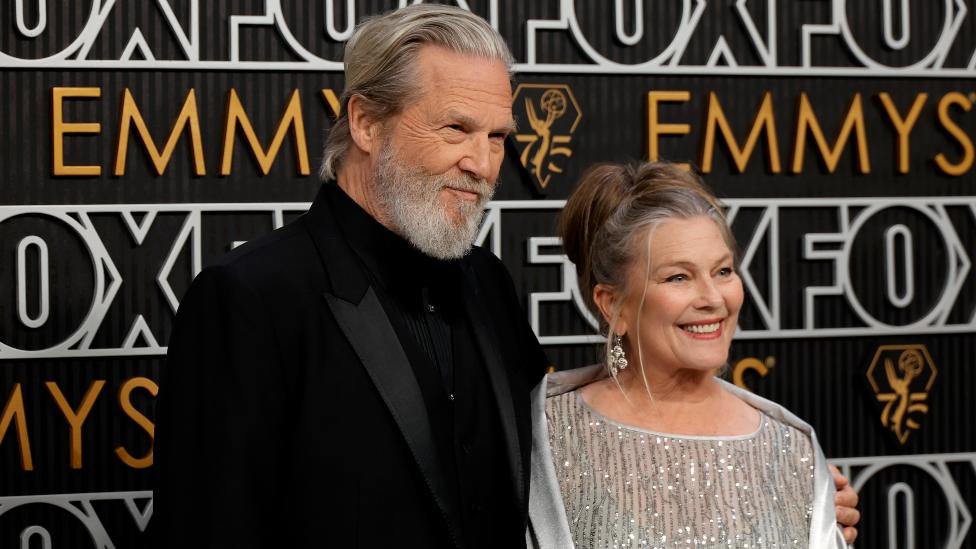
{"x": 465, "y": 120}
{"x": 510, "y": 127}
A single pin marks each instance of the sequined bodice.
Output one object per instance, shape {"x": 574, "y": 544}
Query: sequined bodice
{"x": 625, "y": 487}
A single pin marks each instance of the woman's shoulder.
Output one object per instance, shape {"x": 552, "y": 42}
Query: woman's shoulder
{"x": 567, "y": 381}
{"x": 777, "y": 413}
{"x": 557, "y": 396}
{"x": 783, "y": 431}
{"x": 562, "y": 408}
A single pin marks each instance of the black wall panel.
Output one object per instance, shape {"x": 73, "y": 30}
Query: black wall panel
{"x": 852, "y": 261}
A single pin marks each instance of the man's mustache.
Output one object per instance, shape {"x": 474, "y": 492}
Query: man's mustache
{"x": 463, "y": 183}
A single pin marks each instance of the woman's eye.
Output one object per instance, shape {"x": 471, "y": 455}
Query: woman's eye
{"x": 677, "y": 278}
{"x": 726, "y": 271}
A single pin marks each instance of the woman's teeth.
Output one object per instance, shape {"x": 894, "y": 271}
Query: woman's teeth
{"x": 702, "y": 328}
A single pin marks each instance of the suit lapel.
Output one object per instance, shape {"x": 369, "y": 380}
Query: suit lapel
{"x": 488, "y": 343}
{"x": 368, "y": 329}
{"x": 361, "y": 317}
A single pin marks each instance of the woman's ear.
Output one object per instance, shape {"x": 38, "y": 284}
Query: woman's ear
{"x": 365, "y": 131}
{"x": 604, "y": 296}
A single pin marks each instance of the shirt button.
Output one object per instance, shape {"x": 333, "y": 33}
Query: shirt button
{"x": 450, "y": 397}
{"x": 430, "y": 308}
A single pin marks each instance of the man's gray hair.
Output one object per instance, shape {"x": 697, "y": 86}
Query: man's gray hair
{"x": 381, "y": 63}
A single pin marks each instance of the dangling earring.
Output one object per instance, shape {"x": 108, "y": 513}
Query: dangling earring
{"x": 616, "y": 360}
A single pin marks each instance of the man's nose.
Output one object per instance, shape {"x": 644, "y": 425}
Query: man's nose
{"x": 478, "y": 160}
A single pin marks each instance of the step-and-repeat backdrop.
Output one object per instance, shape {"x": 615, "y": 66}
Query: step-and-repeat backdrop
{"x": 140, "y": 140}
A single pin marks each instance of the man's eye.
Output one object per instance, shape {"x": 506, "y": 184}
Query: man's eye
{"x": 455, "y": 127}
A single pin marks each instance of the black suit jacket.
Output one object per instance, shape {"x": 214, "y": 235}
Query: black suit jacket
{"x": 288, "y": 415}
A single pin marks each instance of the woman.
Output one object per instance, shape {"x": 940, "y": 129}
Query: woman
{"x": 651, "y": 449}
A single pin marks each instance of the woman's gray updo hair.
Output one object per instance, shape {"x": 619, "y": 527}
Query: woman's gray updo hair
{"x": 614, "y": 206}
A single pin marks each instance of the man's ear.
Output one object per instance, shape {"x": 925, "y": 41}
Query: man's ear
{"x": 365, "y": 131}
{"x": 604, "y": 297}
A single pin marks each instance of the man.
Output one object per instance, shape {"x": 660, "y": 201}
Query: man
{"x": 360, "y": 378}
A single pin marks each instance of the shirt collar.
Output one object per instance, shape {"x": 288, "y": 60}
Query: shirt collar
{"x": 396, "y": 265}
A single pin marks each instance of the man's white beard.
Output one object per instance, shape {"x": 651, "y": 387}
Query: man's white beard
{"x": 411, "y": 200}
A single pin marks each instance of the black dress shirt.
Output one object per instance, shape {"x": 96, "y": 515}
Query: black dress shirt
{"x": 422, "y": 297}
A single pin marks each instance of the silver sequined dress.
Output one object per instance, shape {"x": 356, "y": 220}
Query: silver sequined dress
{"x": 627, "y": 487}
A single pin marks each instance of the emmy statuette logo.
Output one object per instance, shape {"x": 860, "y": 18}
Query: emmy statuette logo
{"x": 552, "y": 114}
{"x": 902, "y": 376}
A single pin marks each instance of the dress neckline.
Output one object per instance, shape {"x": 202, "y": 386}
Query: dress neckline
{"x": 763, "y": 419}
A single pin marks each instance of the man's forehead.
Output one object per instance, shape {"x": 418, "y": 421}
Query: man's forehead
{"x": 468, "y": 87}
{"x": 460, "y": 104}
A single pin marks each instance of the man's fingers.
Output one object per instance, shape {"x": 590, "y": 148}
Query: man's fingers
{"x": 846, "y": 497}
{"x": 840, "y": 481}
{"x": 847, "y": 516}
{"x": 846, "y": 506}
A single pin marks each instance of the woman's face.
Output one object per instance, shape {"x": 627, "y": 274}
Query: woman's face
{"x": 693, "y": 298}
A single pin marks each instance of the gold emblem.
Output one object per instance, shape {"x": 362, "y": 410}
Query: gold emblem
{"x": 553, "y": 114}
{"x": 902, "y": 376}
